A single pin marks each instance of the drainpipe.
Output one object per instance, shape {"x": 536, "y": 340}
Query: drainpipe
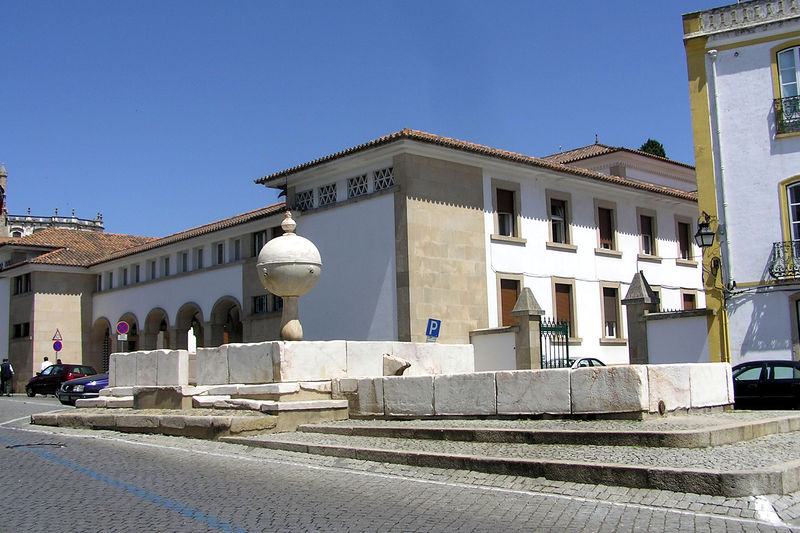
{"x": 722, "y": 209}
{"x": 722, "y": 205}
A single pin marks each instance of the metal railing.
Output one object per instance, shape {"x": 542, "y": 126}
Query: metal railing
{"x": 554, "y": 342}
{"x": 785, "y": 260}
{"x": 787, "y": 114}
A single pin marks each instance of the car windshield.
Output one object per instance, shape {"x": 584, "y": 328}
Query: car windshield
{"x": 752, "y": 373}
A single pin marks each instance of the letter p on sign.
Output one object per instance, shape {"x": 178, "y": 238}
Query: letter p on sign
{"x": 433, "y": 328}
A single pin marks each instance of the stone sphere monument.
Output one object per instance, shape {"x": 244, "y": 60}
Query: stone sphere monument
{"x": 289, "y": 266}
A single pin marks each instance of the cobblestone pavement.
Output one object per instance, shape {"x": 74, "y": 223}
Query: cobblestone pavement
{"x": 107, "y": 481}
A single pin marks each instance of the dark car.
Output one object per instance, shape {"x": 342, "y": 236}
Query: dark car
{"x": 50, "y": 379}
{"x": 767, "y": 385}
{"x": 86, "y": 387}
{"x": 584, "y": 362}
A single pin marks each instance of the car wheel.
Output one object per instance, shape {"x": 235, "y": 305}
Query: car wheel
{"x": 29, "y": 391}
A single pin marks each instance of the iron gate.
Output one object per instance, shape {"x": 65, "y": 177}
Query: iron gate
{"x": 554, "y": 342}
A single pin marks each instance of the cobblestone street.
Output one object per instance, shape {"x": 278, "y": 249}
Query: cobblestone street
{"x": 109, "y": 481}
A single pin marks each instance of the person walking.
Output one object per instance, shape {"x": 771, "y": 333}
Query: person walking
{"x": 6, "y": 373}
{"x": 47, "y": 362}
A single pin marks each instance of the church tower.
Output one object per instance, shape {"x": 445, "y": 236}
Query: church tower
{"x": 3, "y": 211}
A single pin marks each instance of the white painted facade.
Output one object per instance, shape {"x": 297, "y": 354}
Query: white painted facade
{"x": 751, "y": 161}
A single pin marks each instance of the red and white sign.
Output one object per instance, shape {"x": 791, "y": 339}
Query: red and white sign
{"x": 57, "y": 336}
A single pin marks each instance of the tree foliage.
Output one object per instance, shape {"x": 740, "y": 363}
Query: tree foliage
{"x": 653, "y": 147}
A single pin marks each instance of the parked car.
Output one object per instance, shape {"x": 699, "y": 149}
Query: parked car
{"x": 85, "y": 387}
{"x": 50, "y": 379}
{"x": 767, "y": 385}
{"x": 585, "y": 361}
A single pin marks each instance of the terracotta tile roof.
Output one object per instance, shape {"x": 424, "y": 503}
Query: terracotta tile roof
{"x": 256, "y": 214}
{"x": 88, "y": 248}
{"x": 496, "y": 153}
{"x": 73, "y": 247}
{"x": 596, "y": 149}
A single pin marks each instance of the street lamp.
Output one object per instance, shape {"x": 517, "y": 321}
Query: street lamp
{"x": 704, "y": 236}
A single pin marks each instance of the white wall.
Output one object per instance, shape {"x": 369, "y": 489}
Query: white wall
{"x": 204, "y": 288}
{"x": 494, "y": 351}
{"x": 355, "y": 298}
{"x": 5, "y": 301}
{"x": 679, "y": 340}
{"x": 539, "y": 264}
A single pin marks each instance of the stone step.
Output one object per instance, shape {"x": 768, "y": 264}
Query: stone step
{"x": 690, "y": 431}
{"x": 767, "y": 465}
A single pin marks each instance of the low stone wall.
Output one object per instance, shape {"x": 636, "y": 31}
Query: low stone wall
{"x": 583, "y": 391}
{"x": 279, "y": 361}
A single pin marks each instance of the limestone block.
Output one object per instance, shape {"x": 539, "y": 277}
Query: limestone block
{"x": 365, "y": 359}
{"x": 729, "y": 377}
{"x": 267, "y": 388}
{"x": 342, "y": 386}
{"x": 323, "y": 387}
{"x": 207, "y": 401}
{"x": 116, "y": 402}
{"x": 394, "y": 366}
{"x": 709, "y": 384}
{"x": 408, "y": 395}
{"x": 432, "y": 358}
{"x": 250, "y": 363}
{"x": 222, "y": 390}
{"x": 122, "y": 370}
{"x": 522, "y": 392}
{"x": 173, "y": 367}
{"x": 465, "y": 394}
{"x": 310, "y": 360}
{"x": 212, "y": 365}
{"x": 146, "y": 368}
{"x": 668, "y": 384}
{"x": 609, "y": 389}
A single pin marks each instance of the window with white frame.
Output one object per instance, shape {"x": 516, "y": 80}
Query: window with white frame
{"x": 124, "y": 276}
{"x": 384, "y": 178}
{"x": 793, "y": 202}
{"x": 684, "y": 235}
{"x": 259, "y": 240}
{"x": 506, "y": 212}
{"x": 647, "y": 233}
{"x": 165, "y": 266}
{"x": 237, "y": 249}
{"x": 219, "y": 253}
{"x": 136, "y": 274}
{"x": 304, "y": 200}
{"x": 611, "y": 313}
{"x": 184, "y": 261}
{"x": 605, "y": 227}
{"x": 787, "y": 108}
{"x": 109, "y": 280}
{"x": 327, "y": 194}
{"x": 357, "y": 186}
{"x": 198, "y": 258}
{"x": 260, "y": 304}
{"x": 559, "y": 221}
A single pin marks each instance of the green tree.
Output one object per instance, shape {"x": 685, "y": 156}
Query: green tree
{"x": 653, "y": 147}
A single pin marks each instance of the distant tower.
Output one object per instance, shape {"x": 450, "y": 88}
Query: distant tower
{"x": 3, "y": 212}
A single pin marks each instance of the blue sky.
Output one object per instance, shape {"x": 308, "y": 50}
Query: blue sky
{"x": 160, "y": 114}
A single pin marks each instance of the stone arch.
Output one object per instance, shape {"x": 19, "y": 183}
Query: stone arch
{"x": 226, "y": 321}
{"x": 189, "y": 323}
{"x": 132, "y": 344}
{"x": 101, "y": 343}
{"x": 156, "y": 334}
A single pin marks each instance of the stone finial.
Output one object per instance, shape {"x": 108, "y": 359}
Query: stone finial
{"x": 288, "y": 225}
{"x": 640, "y": 291}
{"x": 3, "y": 173}
{"x": 526, "y": 304}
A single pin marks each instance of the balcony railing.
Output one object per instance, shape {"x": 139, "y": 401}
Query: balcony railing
{"x": 785, "y": 261}
{"x": 787, "y": 114}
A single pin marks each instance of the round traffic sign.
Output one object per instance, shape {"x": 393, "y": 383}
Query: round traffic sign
{"x": 57, "y": 346}
{"x": 122, "y": 327}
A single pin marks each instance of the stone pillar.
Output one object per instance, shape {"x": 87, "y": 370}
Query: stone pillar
{"x": 528, "y": 315}
{"x": 639, "y": 301}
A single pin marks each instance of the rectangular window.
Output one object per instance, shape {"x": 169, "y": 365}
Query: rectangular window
{"x": 505, "y": 213}
{"x": 611, "y": 329}
{"x": 184, "y": 262}
{"x": 564, "y": 306}
{"x": 647, "y": 230}
{"x": 198, "y": 259}
{"x": 277, "y": 303}
{"x": 384, "y": 178}
{"x": 237, "y": 249}
{"x": 605, "y": 226}
{"x": 22, "y": 284}
{"x": 558, "y": 221}
{"x": 689, "y": 301}
{"x": 277, "y": 231}
{"x": 219, "y": 253}
{"x": 260, "y": 304}
{"x": 259, "y": 240}
{"x": 304, "y": 200}
{"x": 153, "y": 270}
{"x": 684, "y": 240}
{"x": 21, "y": 330}
{"x": 109, "y": 280}
{"x": 136, "y": 273}
{"x": 787, "y": 108}
{"x": 327, "y": 194}
{"x": 357, "y": 186}
{"x": 509, "y": 292}
{"x": 124, "y": 276}
{"x": 165, "y": 266}
{"x": 99, "y": 282}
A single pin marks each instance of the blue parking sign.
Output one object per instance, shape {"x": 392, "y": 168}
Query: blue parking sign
{"x": 433, "y": 327}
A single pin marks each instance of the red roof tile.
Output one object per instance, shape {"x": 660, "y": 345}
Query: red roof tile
{"x": 465, "y": 146}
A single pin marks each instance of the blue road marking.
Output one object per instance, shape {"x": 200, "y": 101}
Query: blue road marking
{"x": 140, "y": 492}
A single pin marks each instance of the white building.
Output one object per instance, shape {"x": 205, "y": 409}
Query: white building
{"x": 410, "y": 226}
{"x": 744, "y": 68}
